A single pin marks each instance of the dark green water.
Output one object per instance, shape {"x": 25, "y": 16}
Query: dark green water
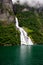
{"x": 21, "y": 55}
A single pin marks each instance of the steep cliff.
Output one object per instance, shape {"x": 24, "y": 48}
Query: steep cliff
{"x": 6, "y": 11}
{"x": 8, "y": 33}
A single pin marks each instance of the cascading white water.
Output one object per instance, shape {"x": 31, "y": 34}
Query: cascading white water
{"x": 25, "y": 40}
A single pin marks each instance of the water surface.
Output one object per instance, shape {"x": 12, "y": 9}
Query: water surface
{"x": 21, "y": 55}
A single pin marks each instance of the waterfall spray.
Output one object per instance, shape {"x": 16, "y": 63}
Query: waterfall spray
{"x": 25, "y": 40}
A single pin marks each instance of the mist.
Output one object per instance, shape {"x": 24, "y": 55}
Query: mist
{"x": 31, "y": 3}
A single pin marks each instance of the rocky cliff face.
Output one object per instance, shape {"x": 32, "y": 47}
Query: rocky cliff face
{"x": 6, "y": 11}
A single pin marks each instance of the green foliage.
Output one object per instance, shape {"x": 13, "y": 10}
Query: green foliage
{"x": 33, "y": 24}
{"x": 9, "y": 34}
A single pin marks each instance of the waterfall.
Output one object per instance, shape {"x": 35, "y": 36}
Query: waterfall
{"x": 25, "y": 40}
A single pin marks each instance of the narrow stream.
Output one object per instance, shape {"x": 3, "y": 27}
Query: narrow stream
{"x": 25, "y": 40}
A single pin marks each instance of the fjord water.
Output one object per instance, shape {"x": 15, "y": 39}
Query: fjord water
{"x": 23, "y": 35}
{"x": 21, "y": 55}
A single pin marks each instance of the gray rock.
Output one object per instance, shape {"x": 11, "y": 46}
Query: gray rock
{"x": 6, "y": 10}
